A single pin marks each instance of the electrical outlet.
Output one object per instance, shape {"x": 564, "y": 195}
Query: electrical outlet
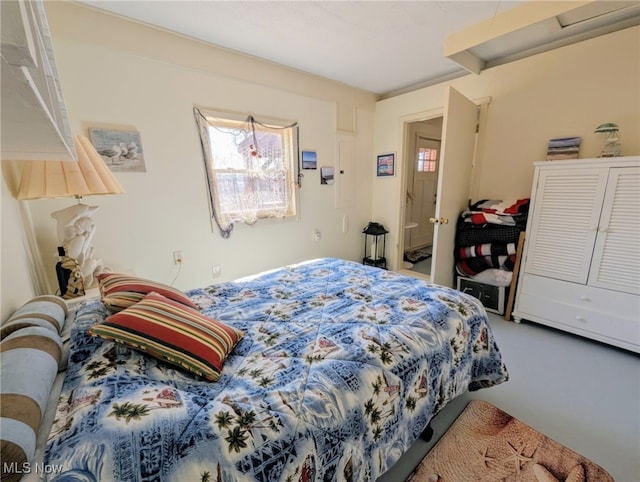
{"x": 317, "y": 235}
{"x": 177, "y": 257}
{"x": 216, "y": 270}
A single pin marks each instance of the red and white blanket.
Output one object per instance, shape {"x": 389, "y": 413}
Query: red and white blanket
{"x": 473, "y": 266}
{"x": 487, "y": 249}
{"x": 505, "y": 213}
{"x": 519, "y": 206}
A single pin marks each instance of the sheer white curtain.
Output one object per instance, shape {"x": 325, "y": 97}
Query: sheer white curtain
{"x": 251, "y": 168}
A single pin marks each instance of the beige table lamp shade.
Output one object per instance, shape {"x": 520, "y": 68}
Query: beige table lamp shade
{"x": 87, "y": 177}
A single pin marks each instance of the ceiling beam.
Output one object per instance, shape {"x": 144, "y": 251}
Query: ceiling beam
{"x": 536, "y": 27}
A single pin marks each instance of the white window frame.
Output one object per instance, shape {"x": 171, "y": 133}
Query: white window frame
{"x": 249, "y": 204}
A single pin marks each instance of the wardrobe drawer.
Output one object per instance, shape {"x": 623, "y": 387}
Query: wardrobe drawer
{"x": 572, "y": 318}
{"x": 608, "y": 302}
{"x": 600, "y": 314}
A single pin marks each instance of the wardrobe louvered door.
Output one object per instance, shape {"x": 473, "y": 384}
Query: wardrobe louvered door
{"x": 565, "y": 216}
{"x": 616, "y": 256}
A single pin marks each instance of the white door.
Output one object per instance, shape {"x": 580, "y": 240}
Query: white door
{"x": 454, "y": 179}
{"x": 425, "y": 183}
{"x": 409, "y": 204}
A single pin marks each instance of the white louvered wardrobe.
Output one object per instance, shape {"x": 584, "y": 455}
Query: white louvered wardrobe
{"x": 580, "y": 270}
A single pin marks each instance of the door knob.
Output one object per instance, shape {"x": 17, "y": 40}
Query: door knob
{"x": 433, "y": 221}
{"x": 444, "y": 220}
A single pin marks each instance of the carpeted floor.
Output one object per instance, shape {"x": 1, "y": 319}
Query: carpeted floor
{"x": 487, "y": 444}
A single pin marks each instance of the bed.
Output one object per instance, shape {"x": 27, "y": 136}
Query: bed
{"x": 340, "y": 369}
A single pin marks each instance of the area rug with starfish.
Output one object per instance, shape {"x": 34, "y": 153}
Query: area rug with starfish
{"x": 487, "y": 444}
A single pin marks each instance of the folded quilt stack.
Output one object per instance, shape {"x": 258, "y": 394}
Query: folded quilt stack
{"x": 486, "y": 239}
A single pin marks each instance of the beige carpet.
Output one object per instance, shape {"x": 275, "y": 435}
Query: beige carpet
{"x": 487, "y": 444}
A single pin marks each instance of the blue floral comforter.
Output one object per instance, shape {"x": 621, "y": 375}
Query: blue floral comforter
{"x": 341, "y": 369}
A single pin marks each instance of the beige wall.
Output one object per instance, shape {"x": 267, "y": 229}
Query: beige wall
{"x": 118, "y": 73}
{"x": 566, "y": 92}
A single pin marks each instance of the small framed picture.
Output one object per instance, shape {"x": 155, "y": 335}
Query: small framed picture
{"x": 386, "y": 165}
{"x": 309, "y": 160}
{"x": 326, "y": 175}
{"x": 121, "y": 150}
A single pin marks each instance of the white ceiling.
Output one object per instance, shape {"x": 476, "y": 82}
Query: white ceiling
{"x": 379, "y": 46}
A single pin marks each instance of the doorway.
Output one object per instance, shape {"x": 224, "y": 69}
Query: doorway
{"x": 421, "y": 181}
{"x": 461, "y": 133}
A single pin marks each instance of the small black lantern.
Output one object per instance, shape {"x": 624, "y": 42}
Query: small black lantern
{"x": 375, "y": 243}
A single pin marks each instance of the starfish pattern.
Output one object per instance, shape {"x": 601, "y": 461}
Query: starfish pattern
{"x": 518, "y": 457}
{"x": 484, "y": 459}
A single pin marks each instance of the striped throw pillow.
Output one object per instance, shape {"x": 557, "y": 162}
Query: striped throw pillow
{"x": 120, "y": 291}
{"x": 170, "y": 331}
{"x": 28, "y": 366}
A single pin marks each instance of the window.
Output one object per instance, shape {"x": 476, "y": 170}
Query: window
{"x": 427, "y": 159}
{"x": 251, "y": 168}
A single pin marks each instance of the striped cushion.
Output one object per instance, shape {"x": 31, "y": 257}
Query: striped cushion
{"x": 29, "y": 359}
{"x": 48, "y": 311}
{"x": 174, "y": 333}
{"x": 119, "y": 291}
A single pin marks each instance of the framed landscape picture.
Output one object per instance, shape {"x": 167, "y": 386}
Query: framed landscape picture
{"x": 386, "y": 165}
{"x": 309, "y": 160}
